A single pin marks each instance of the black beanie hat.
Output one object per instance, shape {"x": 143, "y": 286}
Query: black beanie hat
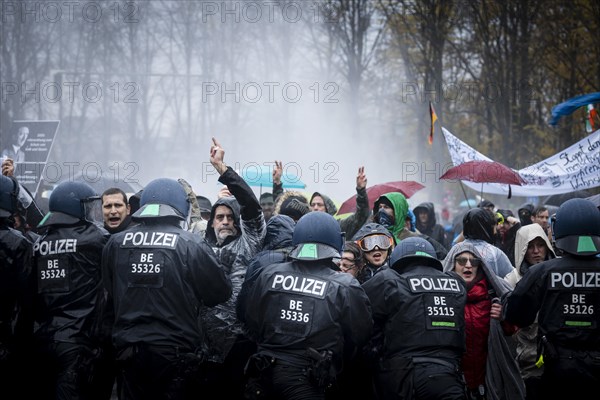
{"x": 294, "y": 207}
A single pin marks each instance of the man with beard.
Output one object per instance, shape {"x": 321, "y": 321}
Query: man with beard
{"x": 236, "y": 231}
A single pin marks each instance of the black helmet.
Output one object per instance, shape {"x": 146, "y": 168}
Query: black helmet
{"x": 9, "y": 192}
{"x": 317, "y": 236}
{"x": 576, "y": 227}
{"x": 71, "y": 202}
{"x": 163, "y": 197}
{"x": 413, "y": 249}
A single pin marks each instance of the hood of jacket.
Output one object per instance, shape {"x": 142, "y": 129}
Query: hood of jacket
{"x": 429, "y": 208}
{"x": 280, "y": 229}
{"x": 400, "y": 206}
{"x": 231, "y": 203}
{"x": 526, "y": 234}
{"x": 330, "y": 206}
{"x": 478, "y": 223}
{"x": 499, "y": 285}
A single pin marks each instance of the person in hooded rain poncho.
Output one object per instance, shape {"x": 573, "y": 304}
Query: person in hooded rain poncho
{"x": 531, "y": 247}
{"x": 490, "y": 369}
{"x": 479, "y": 227}
{"x": 235, "y": 231}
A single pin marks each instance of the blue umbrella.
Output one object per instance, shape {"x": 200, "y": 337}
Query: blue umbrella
{"x": 468, "y": 203}
{"x": 567, "y": 107}
{"x": 260, "y": 175}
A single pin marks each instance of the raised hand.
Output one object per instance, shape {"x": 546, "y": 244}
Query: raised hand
{"x": 277, "y": 172}
{"x": 216, "y": 157}
{"x": 361, "y": 178}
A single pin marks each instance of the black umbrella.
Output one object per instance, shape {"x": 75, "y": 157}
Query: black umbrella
{"x": 558, "y": 199}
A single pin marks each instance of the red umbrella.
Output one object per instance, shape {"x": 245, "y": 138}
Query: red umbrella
{"x": 407, "y": 188}
{"x": 482, "y": 171}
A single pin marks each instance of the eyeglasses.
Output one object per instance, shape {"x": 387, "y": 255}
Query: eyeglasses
{"x": 462, "y": 261}
{"x": 345, "y": 264}
{"x": 368, "y": 243}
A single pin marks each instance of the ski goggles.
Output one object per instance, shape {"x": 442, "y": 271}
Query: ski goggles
{"x": 368, "y": 243}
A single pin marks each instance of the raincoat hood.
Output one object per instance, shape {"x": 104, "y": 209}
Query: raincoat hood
{"x": 280, "y": 229}
{"x": 478, "y": 223}
{"x": 525, "y": 235}
{"x": 499, "y": 285}
{"x": 231, "y": 203}
{"x": 330, "y": 206}
{"x": 400, "y": 206}
{"x": 431, "y": 221}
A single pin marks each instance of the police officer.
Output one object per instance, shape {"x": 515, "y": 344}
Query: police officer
{"x": 421, "y": 312}
{"x": 15, "y": 267}
{"x": 305, "y": 316}
{"x": 69, "y": 293}
{"x": 566, "y": 292}
{"x": 158, "y": 277}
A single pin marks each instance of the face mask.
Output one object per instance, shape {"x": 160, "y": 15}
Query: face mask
{"x": 384, "y": 219}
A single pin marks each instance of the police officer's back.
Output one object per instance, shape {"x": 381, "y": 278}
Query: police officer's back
{"x": 566, "y": 292}
{"x": 304, "y": 315}
{"x": 69, "y": 302}
{"x": 15, "y": 267}
{"x": 158, "y": 276}
{"x": 420, "y": 310}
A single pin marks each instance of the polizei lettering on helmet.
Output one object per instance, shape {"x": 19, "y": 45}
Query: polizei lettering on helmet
{"x": 161, "y": 239}
{"x": 299, "y": 284}
{"x": 568, "y": 280}
{"x": 434, "y": 284}
{"x": 58, "y": 246}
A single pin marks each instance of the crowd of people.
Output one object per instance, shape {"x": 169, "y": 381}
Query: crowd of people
{"x": 164, "y": 295}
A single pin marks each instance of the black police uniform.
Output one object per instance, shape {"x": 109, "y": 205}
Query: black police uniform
{"x": 70, "y": 304}
{"x": 421, "y": 313}
{"x": 158, "y": 277}
{"x": 565, "y": 294}
{"x": 301, "y": 305}
{"x": 566, "y": 291}
{"x": 15, "y": 323}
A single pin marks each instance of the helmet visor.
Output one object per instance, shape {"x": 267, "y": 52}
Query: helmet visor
{"x": 92, "y": 209}
{"x": 368, "y": 243}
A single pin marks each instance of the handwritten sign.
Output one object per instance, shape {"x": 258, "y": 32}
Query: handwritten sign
{"x": 574, "y": 168}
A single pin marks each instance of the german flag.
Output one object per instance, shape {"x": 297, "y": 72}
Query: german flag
{"x": 433, "y": 119}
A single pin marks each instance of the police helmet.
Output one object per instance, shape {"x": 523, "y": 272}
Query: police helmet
{"x": 163, "y": 197}
{"x": 413, "y": 249}
{"x": 576, "y": 227}
{"x": 71, "y": 202}
{"x": 317, "y": 236}
{"x": 9, "y": 191}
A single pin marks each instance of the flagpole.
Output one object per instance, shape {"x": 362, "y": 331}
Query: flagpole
{"x": 465, "y": 193}
{"x": 481, "y": 193}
